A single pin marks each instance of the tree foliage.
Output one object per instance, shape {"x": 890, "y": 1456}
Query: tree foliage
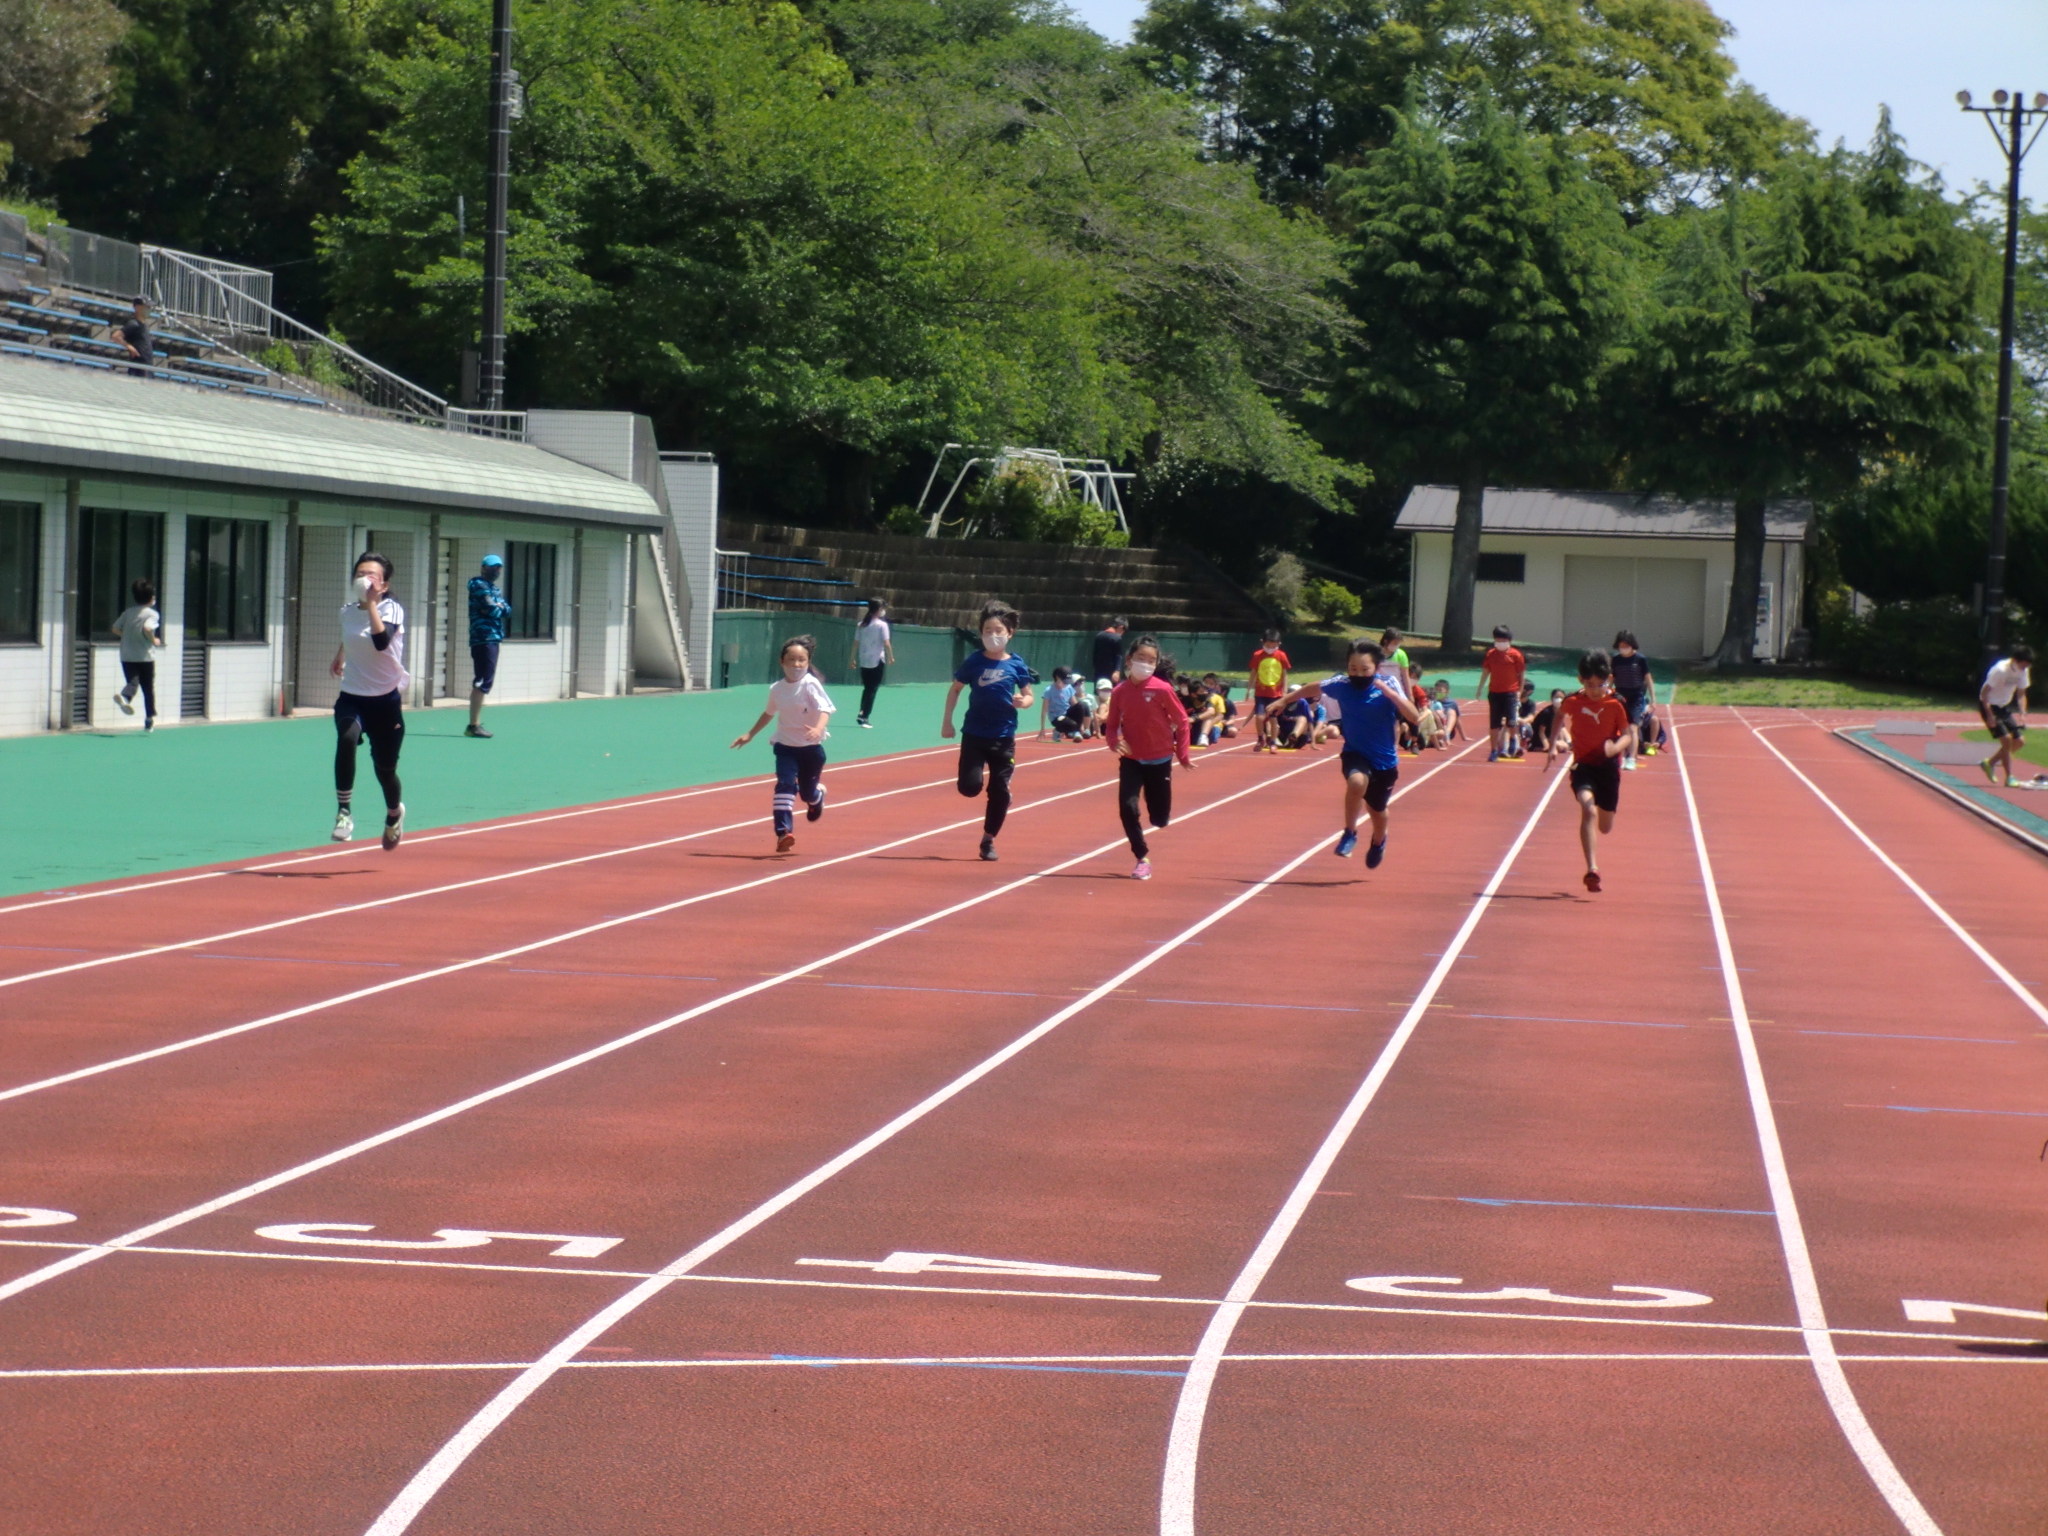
{"x": 55, "y": 75}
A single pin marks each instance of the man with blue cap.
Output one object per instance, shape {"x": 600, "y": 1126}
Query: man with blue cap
{"x": 489, "y": 611}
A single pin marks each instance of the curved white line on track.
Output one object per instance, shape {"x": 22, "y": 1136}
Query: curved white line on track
{"x": 1184, "y": 1442}
{"x": 444, "y": 835}
{"x": 435, "y": 890}
{"x": 2013, "y": 984}
{"x": 1813, "y": 1320}
{"x": 304, "y": 1010}
{"x": 428, "y": 1481}
{"x": 299, "y": 1171}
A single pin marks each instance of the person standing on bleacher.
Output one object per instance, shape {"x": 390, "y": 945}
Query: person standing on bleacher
{"x": 136, "y": 338}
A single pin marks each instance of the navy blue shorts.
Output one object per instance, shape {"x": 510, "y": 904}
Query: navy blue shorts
{"x": 1379, "y": 782}
{"x": 484, "y": 657}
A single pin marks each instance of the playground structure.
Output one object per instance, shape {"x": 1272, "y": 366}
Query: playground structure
{"x": 1092, "y": 480}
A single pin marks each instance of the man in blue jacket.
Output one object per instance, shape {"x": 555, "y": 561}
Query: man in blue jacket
{"x": 489, "y": 612}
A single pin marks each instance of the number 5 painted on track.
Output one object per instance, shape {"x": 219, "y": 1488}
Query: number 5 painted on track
{"x": 446, "y": 1237}
{"x": 1401, "y": 1285}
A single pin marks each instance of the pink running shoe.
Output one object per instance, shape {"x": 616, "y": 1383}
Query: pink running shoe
{"x": 1143, "y": 870}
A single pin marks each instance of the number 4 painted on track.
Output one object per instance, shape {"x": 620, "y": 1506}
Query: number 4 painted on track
{"x": 959, "y": 1264}
{"x": 446, "y": 1237}
{"x": 1945, "y": 1311}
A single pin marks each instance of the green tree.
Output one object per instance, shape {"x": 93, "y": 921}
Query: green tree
{"x": 1492, "y": 276}
{"x": 1805, "y": 335}
{"x": 55, "y": 75}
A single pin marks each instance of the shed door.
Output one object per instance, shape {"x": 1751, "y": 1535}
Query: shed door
{"x": 1663, "y": 601}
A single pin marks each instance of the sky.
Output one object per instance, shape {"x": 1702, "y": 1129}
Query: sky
{"x": 1833, "y": 61}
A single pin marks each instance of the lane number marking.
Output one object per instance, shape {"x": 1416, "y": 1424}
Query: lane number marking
{"x": 905, "y": 1263}
{"x": 1405, "y": 1285}
{"x": 570, "y": 1247}
{"x": 1945, "y": 1311}
{"x": 32, "y": 1216}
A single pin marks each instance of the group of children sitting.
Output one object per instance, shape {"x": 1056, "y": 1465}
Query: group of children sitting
{"x": 1070, "y": 712}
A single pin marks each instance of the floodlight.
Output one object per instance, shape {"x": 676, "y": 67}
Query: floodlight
{"x": 2040, "y": 100}
{"x": 1962, "y": 98}
{"x": 1999, "y": 98}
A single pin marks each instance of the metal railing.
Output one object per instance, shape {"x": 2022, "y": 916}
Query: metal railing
{"x": 508, "y": 425}
{"x": 97, "y": 263}
{"x": 13, "y": 237}
{"x": 205, "y": 287}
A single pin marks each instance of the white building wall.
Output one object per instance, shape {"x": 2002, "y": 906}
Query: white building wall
{"x": 693, "y": 508}
{"x": 29, "y": 677}
{"x": 1535, "y": 610}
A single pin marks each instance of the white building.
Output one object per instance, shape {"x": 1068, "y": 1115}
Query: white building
{"x": 248, "y": 516}
{"x": 1569, "y": 568}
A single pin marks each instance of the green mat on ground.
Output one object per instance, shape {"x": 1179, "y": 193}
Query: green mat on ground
{"x": 81, "y": 806}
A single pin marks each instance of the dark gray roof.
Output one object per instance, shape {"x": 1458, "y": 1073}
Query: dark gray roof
{"x": 1605, "y": 513}
{"x": 107, "y": 422}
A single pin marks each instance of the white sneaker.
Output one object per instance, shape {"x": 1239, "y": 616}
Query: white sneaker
{"x": 344, "y": 827}
{"x": 121, "y": 703}
{"x": 1628, "y": 765}
{"x": 394, "y": 830}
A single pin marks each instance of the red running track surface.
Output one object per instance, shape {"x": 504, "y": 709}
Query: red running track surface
{"x": 1569, "y": 1114}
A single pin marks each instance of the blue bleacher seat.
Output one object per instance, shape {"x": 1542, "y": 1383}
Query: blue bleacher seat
{"x": 235, "y": 371}
{"x": 21, "y": 332}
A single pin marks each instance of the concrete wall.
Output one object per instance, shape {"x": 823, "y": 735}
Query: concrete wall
{"x": 1536, "y": 608}
{"x": 693, "y": 509}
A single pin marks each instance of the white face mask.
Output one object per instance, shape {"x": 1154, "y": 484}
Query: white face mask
{"x": 1500, "y": 645}
{"x": 994, "y": 639}
{"x": 795, "y": 670}
{"x": 363, "y": 586}
{"x": 1142, "y": 669}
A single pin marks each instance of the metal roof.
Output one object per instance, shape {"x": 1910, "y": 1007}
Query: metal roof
{"x": 90, "y": 421}
{"x": 1430, "y": 508}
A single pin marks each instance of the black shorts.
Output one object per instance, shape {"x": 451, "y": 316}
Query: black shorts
{"x": 483, "y": 657}
{"x": 1379, "y": 782}
{"x": 1635, "y": 701}
{"x": 1500, "y": 709}
{"x": 1261, "y": 705}
{"x": 2003, "y": 723}
{"x": 1603, "y": 778}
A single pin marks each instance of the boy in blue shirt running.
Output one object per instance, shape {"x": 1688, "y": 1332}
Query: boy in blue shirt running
{"x": 999, "y": 687}
{"x": 1368, "y": 712}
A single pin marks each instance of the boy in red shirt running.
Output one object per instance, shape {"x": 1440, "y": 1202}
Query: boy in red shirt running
{"x": 1269, "y": 683}
{"x": 1501, "y": 671}
{"x": 1596, "y": 724}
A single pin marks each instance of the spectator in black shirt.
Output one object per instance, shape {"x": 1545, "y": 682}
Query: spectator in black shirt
{"x": 1109, "y": 658}
{"x": 136, "y": 338}
{"x": 1634, "y": 686}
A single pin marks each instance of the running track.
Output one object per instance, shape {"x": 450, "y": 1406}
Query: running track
{"x": 876, "y": 1189}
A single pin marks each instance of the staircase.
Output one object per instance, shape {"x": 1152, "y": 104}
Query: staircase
{"x": 944, "y": 582}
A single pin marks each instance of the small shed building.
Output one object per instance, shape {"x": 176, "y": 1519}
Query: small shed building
{"x": 1569, "y": 568}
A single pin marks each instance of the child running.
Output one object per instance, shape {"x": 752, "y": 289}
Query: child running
{"x": 802, "y": 711}
{"x": 141, "y": 628}
{"x": 1501, "y": 672}
{"x": 1147, "y": 729}
{"x": 1369, "y": 711}
{"x": 370, "y": 661}
{"x": 1269, "y": 681}
{"x": 1595, "y": 723}
{"x": 1000, "y": 687}
{"x": 2002, "y": 702}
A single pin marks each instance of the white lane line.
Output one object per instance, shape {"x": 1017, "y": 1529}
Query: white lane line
{"x": 290, "y": 1175}
{"x": 1017, "y": 1294}
{"x": 1813, "y": 1321}
{"x": 2012, "y": 983}
{"x": 428, "y": 1481}
{"x": 432, "y": 890}
{"x": 438, "y": 837}
{"x": 1184, "y": 1442}
{"x": 304, "y": 1010}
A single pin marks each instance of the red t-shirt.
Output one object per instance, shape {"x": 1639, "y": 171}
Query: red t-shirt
{"x": 1593, "y": 723}
{"x": 1504, "y": 670}
{"x": 1269, "y": 673}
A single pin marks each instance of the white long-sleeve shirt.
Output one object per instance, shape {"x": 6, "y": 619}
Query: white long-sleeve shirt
{"x": 367, "y": 671}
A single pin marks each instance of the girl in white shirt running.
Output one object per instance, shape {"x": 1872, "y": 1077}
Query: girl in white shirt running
{"x": 370, "y": 661}
{"x": 801, "y": 710}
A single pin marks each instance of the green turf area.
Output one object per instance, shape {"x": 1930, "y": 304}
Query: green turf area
{"x": 1703, "y": 685}
{"x": 80, "y": 806}
{"x": 2033, "y": 750}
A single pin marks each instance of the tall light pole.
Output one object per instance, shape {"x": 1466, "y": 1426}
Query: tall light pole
{"x": 491, "y": 374}
{"x": 2007, "y": 117}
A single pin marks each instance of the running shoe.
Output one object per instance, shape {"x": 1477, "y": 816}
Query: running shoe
{"x": 1346, "y": 845}
{"x": 148, "y": 726}
{"x": 121, "y": 703}
{"x": 1593, "y": 880}
{"x": 394, "y": 828}
{"x": 344, "y": 827}
{"x": 1493, "y": 756}
{"x": 785, "y": 841}
{"x": 988, "y": 850}
{"x": 477, "y": 731}
{"x": 1990, "y": 774}
{"x": 1628, "y": 765}
{"x": 1143, "y": 870}
{"x": 816, "y": 808}
{"x": 865, "y": 725}
{"x": 1375, "y": 853}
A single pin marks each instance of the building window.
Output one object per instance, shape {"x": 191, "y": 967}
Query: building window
{"x": 227, "y": 566}
{"x": 115, "y": 548}
{"x": 21, "y": 548}
{"x": 1509, "y": 569}
{"x": 530, "y": 584}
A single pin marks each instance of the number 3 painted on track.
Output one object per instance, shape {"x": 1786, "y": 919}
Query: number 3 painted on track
{"x": 1402, "y": 1285}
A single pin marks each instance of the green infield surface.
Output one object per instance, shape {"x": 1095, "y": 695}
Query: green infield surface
{"x": 81, "y": 806}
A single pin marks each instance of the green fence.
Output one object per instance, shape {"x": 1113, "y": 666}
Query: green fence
{"x": 746, "y": 642}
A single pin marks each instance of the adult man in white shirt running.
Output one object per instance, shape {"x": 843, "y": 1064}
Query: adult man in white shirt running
{"x": 2002, "y": 701}
{"x": 370, "y": 662}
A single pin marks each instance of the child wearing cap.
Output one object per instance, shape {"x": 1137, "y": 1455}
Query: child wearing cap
{"x": 489, "y": 612}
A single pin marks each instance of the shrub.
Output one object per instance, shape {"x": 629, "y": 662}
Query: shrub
{"x": 1329, "y": 602}
{"x": 1931, "y": 641}
{"x": 1281, "y": 590}
{"x": 903, "y": 518}
{"x": 278, "y": 357}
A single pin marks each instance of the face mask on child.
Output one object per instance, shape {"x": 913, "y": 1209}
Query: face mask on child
{"x": 1142, "y": 669}
{"x": 795, "y": 670}
{"x": 1500, "y": 645}
{"x": 363, "y": 586}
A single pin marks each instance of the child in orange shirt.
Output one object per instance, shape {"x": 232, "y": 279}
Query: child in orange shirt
{"x": 1501, "y": 673}
{"x": 1596, "y": 724}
